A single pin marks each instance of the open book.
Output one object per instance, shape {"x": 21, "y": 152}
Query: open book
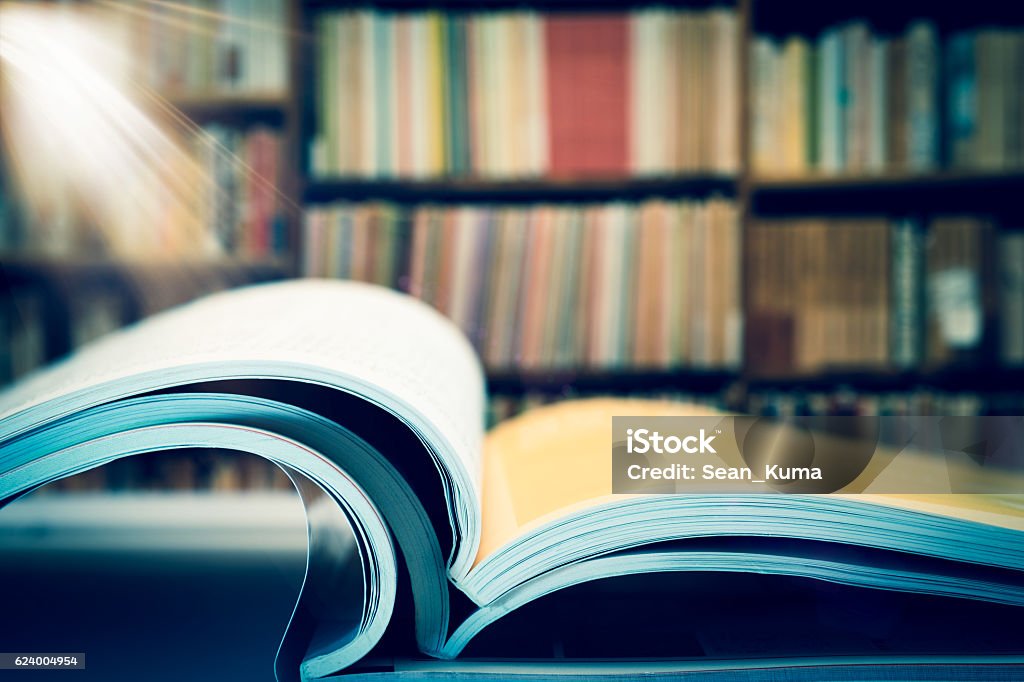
{"x": 373, "y": 404}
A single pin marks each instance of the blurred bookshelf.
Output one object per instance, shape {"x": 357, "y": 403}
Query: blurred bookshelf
{"x": 545, "y": 214}
{"x": 54, "y": 305}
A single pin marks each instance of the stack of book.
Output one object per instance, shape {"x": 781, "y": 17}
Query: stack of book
{"x": 649, "y": 285}
{"x": 857, "y": 102}
{"x": 240, "y": 203}
{"x": 209, "y": 48}
{"x": 523, "y": 94}
{"x": 870, "y": 292}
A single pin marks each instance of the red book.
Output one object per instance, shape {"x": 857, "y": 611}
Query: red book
{"x": 588, "y": 68}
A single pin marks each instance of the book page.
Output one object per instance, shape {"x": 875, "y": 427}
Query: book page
{"x": 368, "y": 340}
{"x": 557, "y": 460}
{"x": 553, "y": 461}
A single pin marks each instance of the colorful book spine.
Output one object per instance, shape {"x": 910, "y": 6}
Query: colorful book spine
{"x": 557, "y": 286}
{"x": 513, "y": 94}
{"x": 866, "y": 104}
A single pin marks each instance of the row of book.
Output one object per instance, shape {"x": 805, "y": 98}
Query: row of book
{"x": 239, "y": 203}
{"x": 211, "y": 48}
{"x": 217, "y": 193}
{"x": 526, "y": 94}
{"x": 655, "y": 284}
{"x": 857, "y": 102}
{"x": 874, "y": 292}
{"x": 64, "y": 306}
{"x": 24, "y": 327}
{"x": 22, "y": 334}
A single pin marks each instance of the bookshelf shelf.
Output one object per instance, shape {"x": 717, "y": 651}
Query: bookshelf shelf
{"x": 990, "y": 192}
{"x": 37, "y": 265}
{"x": 563, "y": 381}
{"x": 442, "y": 191}
{"x": 569, "y": 381}
{"x": 943, "y": 181}
{"x": 477, "y": 5}
{"x": 232, "y": 109}
{"x": 984, "y": 379}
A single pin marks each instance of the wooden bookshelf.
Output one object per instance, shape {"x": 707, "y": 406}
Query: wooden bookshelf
{"x": 756, "y": 195}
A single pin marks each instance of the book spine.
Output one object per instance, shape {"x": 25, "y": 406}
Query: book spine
{"x": 878, "y": 134}
{"x": 1011, "y": 299}
{"x": 922, "y": 83}
{"x": 962, "y": 99}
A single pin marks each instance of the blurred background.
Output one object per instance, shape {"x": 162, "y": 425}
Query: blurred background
{"x": 753, "y": 205}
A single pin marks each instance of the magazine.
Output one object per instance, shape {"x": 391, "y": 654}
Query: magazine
{"x": 373, "y": 403}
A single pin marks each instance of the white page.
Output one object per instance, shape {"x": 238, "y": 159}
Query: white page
{"x": 366, "y": 339}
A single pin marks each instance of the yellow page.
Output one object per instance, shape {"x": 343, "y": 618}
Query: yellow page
{"x": 556, "y": 460}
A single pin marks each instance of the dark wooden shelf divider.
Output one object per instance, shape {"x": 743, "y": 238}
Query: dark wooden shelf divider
{"x": 575, "y": 381}
{"x": 472, "y": 190}
{"x": 989, "y": 379}
{"x": 236, "y": 110}
{"x": 980, "y": 379}
{"x": 942, "y": 180}
{"x": 975, "y": 191}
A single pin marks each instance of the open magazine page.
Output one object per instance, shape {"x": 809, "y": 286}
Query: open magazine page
{"x": 558, "y": 461}
{"x": 366, "y": 340}
{"x": 548, "y": 487}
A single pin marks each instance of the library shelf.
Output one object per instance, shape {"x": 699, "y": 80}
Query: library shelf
{"x": 953, "y": 190}
{"x": 619, "y": 381}
{"x": 482, "y": 5}
{"x": 235, "y": 109}
{"x": 553, "y": 382}
{"x": 43, "y": 266}
{"x": 943, "y": 180}
{"x": 958, "y": 378}
{"x": 518, "y": 191}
